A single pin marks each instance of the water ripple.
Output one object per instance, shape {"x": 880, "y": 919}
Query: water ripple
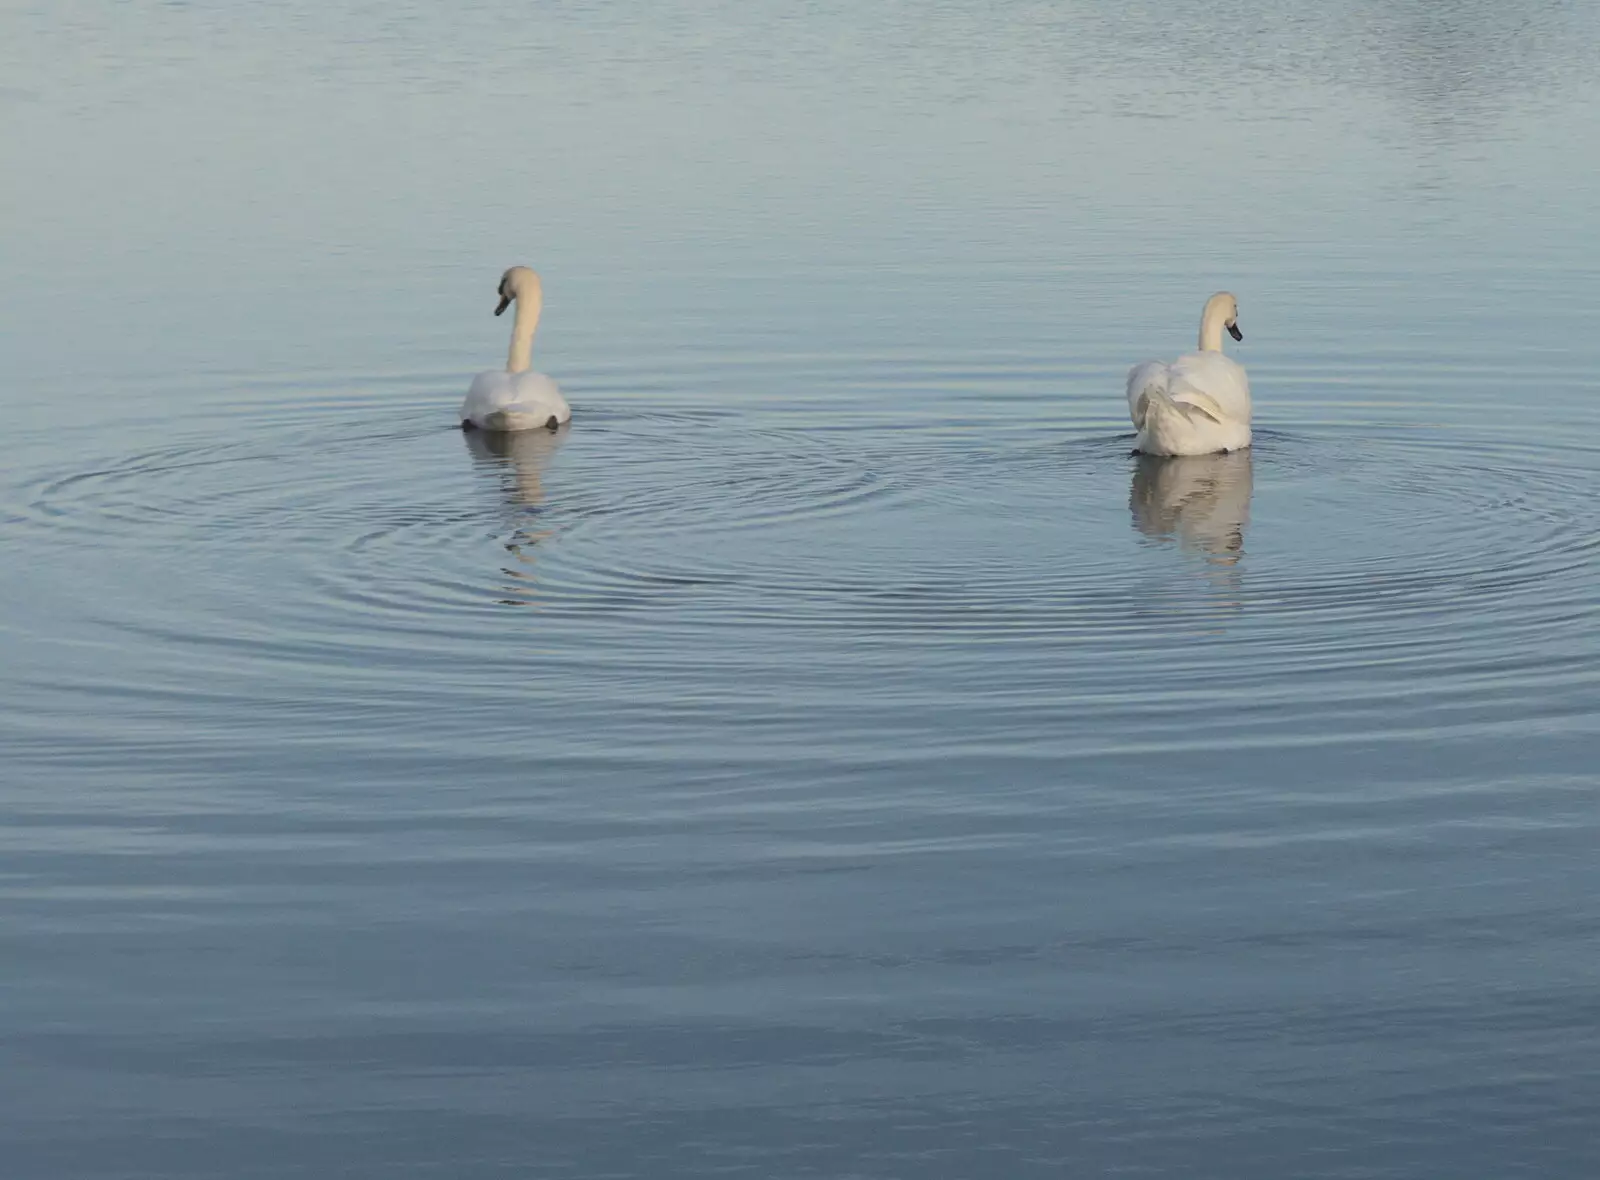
{"x": 1343, "y": 564}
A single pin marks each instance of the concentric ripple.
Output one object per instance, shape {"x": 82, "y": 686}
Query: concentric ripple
{"x": 711, "y": 543}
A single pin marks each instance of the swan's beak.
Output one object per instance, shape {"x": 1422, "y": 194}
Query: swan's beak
{"x": 1233, "y": 329}
{"x": 505, "y": 302}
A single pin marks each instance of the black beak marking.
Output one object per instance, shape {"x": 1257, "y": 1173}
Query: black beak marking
{"x": 505, "y": 302}
{"x": 1233, "y": 330}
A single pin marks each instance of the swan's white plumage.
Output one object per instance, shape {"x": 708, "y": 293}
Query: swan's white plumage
{"x": 1197, "y": 404}
{"x": 516, "y": 398}
{"x": 514, "y": 401}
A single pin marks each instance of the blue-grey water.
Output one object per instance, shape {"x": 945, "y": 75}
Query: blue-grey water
{"x": 834, "y": 755}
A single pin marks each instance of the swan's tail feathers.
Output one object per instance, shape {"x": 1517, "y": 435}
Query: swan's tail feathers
{"x": 519, "y": 420}
{"x": 513, "y": 418}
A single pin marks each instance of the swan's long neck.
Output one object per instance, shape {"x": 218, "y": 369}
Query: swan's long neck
{"x": 529, "y": 304}
{"x": 1212, "y": 320}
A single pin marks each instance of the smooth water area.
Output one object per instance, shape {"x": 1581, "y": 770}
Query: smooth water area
{"x": 834, "y": 754}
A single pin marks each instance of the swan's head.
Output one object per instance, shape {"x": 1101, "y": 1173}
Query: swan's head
{"x": 1226, "y": 306}
{"x": 517, "y": 283}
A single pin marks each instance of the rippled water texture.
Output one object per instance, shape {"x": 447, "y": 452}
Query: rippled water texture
{"x": 834, "y": 754}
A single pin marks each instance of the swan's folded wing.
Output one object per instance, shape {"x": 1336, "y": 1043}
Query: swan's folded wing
{"x": 490, "y": 391}
{"x": 529, "y": 388}
{"x": 1213, "y": 382}
{"x": 1140, "y": 378}
{"x": 1203, "y": 403}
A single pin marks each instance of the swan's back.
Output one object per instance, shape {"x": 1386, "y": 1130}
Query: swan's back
{"x": 1194, "y": 405}
{"x": 498, "y": 400}
{"x": 1205, "y": 379}
{"x": 1219, "y": 377}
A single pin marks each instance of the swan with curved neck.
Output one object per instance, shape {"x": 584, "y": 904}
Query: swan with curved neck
{"x": 1199, "y": 403}
{"x": 1221, "y": 311}
{"x": 521, "y": 286}
{"x": 516, "y": 398}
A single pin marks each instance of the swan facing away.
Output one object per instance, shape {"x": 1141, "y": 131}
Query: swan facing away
{"x": 1199, "y": 403}
{"x": 516, "y": 398}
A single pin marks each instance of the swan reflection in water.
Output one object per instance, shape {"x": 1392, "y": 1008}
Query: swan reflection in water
{"x": 1200, "y": 501}
{"x": 517, "y": 459}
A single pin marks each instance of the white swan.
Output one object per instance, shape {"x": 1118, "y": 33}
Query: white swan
{"x": 1199, "y": 403}
{"x": 516, "y": 398}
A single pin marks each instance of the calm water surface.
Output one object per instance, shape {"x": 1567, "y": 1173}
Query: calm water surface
{"x": 833, "y": 755}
